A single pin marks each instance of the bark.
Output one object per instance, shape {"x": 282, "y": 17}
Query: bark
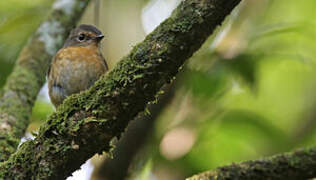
{"x": 86, "y": 123}
{"x": 28, "y": 76}
{"x": 300, "y": 164}
{"x": 133, "y": 140}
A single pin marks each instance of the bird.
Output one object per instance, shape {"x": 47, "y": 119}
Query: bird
{"x": 77, "y": 65}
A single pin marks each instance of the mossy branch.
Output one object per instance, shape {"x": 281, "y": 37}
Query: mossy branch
{"x": 86, "y": 123}
{"x": 133, "y": 140}
{"x": 28, "y": 76}
{"x": 300, "y": 164}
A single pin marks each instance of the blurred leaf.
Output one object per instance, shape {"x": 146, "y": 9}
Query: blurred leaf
{"x": 236, "y": 136}
{"x": 211, "y": 84}
{"x": 18, "y": 20}
{"x": 11, "y": 6}
{"x": 242, "y": 118}
{"x": 245, "y": 66}
{"x": 5, "y": 69}
{"x": 275, "y": 29}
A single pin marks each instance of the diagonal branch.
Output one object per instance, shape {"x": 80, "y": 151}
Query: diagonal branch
{"x": 29, "y": 72}
{"x": 86, "y": 123}
{"x": 290, "y": 166}
{"x": 134, "y": 139}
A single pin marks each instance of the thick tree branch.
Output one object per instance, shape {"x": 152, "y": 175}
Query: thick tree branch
{"x": 133, "y": 140}
{"x": 28, "y": 75}
{"x": 300, "y": 164}
{"x": 86, "y": 123}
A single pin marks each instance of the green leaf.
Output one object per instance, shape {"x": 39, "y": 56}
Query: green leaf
{"x": 235, "y": 136}
{"x": 244, "y": 66}
{"x": 211, "y": 84}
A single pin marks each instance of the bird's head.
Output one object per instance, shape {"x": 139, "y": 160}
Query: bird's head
{"x": 84, "y": 35}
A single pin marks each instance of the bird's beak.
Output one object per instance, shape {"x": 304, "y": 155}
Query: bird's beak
{"x": 99, "y": 38}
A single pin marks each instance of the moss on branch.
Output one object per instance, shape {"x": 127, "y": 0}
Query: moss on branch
{"x": 291, "y": 166}
{"x": 86, "y": 123}
{"x": 28, "y": 76}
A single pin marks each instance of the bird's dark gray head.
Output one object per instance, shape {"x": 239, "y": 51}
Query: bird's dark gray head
{"x": 84, "y": 35}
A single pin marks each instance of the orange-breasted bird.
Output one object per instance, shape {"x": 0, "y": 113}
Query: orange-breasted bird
{"x": 77, "y": 65}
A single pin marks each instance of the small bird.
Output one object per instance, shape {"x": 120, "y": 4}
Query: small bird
{"x": 77, "y": 65}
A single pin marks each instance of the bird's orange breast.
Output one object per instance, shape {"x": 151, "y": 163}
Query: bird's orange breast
{"x": 74, "y": 69}
{"x": 79, "y": 53}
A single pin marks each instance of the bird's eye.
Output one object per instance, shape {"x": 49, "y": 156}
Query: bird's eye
{"x": 81, "y": 37}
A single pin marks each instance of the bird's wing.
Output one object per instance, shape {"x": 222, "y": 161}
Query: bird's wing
{"x": 105, "y": 64}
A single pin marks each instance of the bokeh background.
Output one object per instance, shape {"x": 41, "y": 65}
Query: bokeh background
{"x": 249, "y": 92}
